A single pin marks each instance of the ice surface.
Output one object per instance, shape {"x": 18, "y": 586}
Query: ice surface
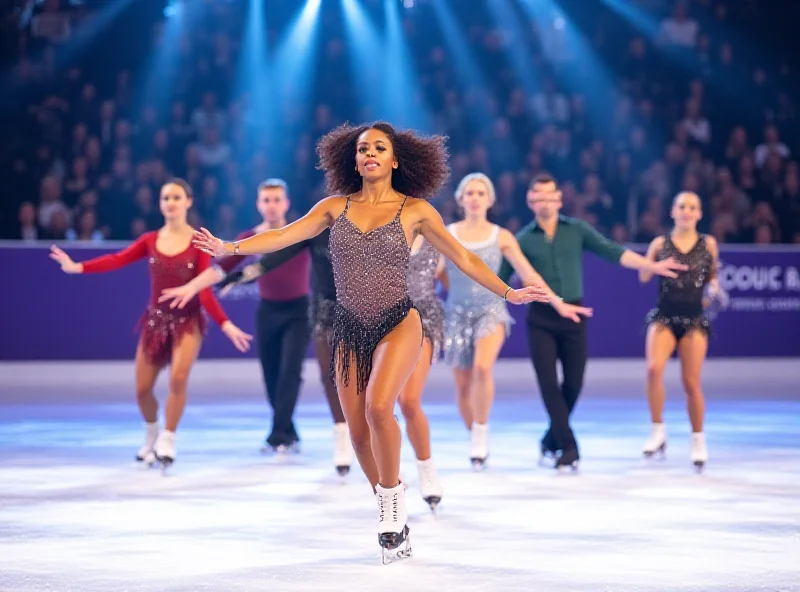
{"x": 76, "y": 514}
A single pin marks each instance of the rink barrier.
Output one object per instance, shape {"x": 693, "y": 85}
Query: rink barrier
{"x": 52, "y": 316}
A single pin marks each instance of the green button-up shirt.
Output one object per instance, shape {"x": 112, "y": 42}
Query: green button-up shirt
{"x": 560, "y": 261}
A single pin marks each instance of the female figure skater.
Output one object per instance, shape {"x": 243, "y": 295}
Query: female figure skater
{"x": 678, "y": 321}
{"x": 422, "y": 276}
{"x": 372, "y": 170}
{"x": 167, "y": 336}
{"x": 477, "y": 323}
{"x": 323, "y": 299}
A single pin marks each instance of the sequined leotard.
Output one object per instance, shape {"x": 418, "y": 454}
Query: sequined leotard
{"x": 162, "y": 326}
{"x": 422, "y": 289}
{"x": 372, "y": 298}
{"x": 472, "y": 311}
{"x": 680, "y": 300}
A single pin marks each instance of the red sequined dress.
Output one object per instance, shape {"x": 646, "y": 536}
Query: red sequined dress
{"x": 160, "y": 325}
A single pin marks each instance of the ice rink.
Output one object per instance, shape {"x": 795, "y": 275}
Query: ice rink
{"x": 77, "y": 515}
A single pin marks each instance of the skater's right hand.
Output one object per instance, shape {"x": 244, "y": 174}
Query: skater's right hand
{"x": 180, "y": 296}
{"x": 251, "y": 273}
{"x": 65, "y": 261}
{"x": 667, "y": 267}
{"x": 572, "y": 311}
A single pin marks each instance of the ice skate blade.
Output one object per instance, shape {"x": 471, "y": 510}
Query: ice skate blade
{"x": 547, "y": 460}
{"x": 433, "y": 503}
{"x": 478, "y": 464}
{"x": 147, "y": 461}
{"x": 570, "y": 468}
{"x": 661, "y": 451}
{"x": 166, "y": 462}
{"x": 342, "y": 470}
{"x": 392, "y": 551}
{"x": 388, "y": 557}
{"x": 699, "y": 465}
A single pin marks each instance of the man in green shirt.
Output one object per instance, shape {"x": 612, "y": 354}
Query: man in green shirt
{"x": 554, "y": 245}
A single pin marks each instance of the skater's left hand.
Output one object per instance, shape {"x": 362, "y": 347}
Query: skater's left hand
{"x": 239, "y": 338}
{"x": 180, "y": 296}
{"x": 717, "y": 294}
{"x": 667, "y": 267}
{"x": 526, "y": 295}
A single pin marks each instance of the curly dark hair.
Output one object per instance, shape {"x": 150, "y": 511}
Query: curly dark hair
{"x": 422, "y": 169}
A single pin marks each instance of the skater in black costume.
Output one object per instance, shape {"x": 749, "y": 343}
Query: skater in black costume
{"x": 678, "y": 321}
{"x": 381, "y": 179}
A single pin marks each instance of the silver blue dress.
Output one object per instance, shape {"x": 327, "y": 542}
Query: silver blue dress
{"x": 472, "y": 311}
{"x": 422, "y": 289}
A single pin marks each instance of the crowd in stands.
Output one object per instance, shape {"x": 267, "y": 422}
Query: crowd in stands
{"x": 624, "y": 120}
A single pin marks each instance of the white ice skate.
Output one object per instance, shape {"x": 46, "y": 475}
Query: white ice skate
{"x": 146, "y": 454}
{"x": 342, "y": 449}
{"x": 393, "y": 532}
{"x": 429, "y": 485}
{"x": 165, "y": 449}
{"x": 699, "y": 453}
{"x": 657, "y": 442}
{"x": 479, "y": 450}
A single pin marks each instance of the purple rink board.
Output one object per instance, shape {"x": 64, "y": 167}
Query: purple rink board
{"x": 52, "y": 316}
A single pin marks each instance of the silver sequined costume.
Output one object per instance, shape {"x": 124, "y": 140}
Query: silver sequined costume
{"x": 422, "y": 289}
{"x": 680, "y": 299}
{"x": 370, "y": 271}
{"x": 472, "y": 311}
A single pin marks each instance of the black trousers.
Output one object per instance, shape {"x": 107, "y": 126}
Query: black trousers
{"x": 552, "y": 338}
{"x": 283, "y": 333}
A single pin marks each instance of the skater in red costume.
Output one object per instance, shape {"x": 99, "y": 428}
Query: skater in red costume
{"x": 168, "y": 336}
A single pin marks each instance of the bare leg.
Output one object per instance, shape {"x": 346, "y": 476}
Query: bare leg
{"x": 146, "y": 376}
{"x": 410, "y": 404}
{"x": 393, "y": 362}
{"x": 183, "y": 356}
{"x": 354, "y": 408}
{"x": 486, "y": 351}
{"x": 692, "y": 352}
{"x": 463, "y": 380}
{"x": 659, "y": 347}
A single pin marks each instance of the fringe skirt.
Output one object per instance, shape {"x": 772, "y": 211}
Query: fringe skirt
{"x": 353, "y": 342}
{"x": 161, "y": 330}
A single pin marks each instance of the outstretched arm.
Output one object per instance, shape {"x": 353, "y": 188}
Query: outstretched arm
{"x": 201, "y": 283}
{"x": 104, "y": 263}
{"x": 602, "y": 247}
{"x": 513, "y": 254}
{"x": 314, "y": 222}
{"x": 434, "y": 231}
{"x": 652, "y": 252}
{"x": 209, "y": 302}
{"x": 266, "y": 263}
